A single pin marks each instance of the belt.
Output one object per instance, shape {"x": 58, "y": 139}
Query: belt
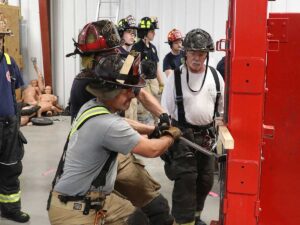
{"x": 195, "y": 128}
{"x": 70, "y": 205}
{"x": 81, "y": 203}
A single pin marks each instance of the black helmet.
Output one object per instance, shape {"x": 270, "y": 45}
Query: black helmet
{"x": 113, "y": 71}
{"x": 126, "y": 23}
{"x": 147, "y": 24}
{"x": 95, "y": 37}
{"x": 198, "y": 39}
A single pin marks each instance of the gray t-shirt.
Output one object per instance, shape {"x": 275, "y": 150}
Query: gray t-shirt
{"x": 89, "y": 148}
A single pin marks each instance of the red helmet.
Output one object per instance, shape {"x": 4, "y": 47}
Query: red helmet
{"x": 174, "y": 35}
{"x": 96, "y": 37}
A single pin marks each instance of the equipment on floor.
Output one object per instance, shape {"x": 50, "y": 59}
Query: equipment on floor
{"x": 41, "y": 121}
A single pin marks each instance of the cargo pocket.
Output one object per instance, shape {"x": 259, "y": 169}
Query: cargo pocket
{"x": 21, "y": 141}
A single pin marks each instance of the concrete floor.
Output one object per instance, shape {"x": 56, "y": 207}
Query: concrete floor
{"x": 42, "y": 153}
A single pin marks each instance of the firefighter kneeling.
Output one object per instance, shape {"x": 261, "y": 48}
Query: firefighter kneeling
{"x": 98, "y": 134}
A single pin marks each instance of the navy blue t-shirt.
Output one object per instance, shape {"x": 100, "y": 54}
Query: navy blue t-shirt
{"x": 148, "y": 53}
{"x": 6, "y": 97}
{"x": 171, "y": 62}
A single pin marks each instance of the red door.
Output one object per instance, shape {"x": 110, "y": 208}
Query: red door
{"x": 280, "y": 169}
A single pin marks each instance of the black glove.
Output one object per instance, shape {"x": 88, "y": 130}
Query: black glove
{"x": 164, "y": 122}
{"x": 155, "y": 133}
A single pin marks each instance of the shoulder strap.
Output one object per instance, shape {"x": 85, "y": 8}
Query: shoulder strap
{"x": 78, "y": 123}
{"x": 13, "y": 80}
{"x": 179, "y": 96}
{"x": 217, "y": 82}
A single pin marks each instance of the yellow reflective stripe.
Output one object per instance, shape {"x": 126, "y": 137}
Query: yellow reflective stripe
{"x": 90, "y": 112}
{"x": 148, "y": 24}
{"x": 7, "y": 59}
{"x": 10, "y": 198}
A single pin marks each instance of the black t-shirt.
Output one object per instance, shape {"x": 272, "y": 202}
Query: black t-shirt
{"x": 172, "y": 61}
{"x": 146, "y": 53}
{"x": 78, "y": 96}
{"x": 221, "y": 66}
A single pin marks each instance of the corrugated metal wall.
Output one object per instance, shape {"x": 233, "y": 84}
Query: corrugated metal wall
{"x": 182, "y": 14}
{"x": 69, "y": 16}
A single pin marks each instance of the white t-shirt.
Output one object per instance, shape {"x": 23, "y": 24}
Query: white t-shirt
{"x": 198, "y": 106}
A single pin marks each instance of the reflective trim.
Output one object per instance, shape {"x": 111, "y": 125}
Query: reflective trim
{"x": 10, "y": 198}
{"x": 99, "y": 110}
{"x": 7, "y": 59}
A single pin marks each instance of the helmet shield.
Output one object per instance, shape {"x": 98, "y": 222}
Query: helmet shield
{"x": 4, "y": 29}
{"x": 198, "y": 39}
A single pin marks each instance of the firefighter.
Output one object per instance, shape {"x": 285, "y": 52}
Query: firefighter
{"x": 155, "y": 84}
{"x": 193, "y": 96}
{"x": 149, "y": 199}
{"x": 11, "y": 139}
{"x": 127, "y": 30}
{"x": 84, "y": 184}
{"x": 175, "y": 57}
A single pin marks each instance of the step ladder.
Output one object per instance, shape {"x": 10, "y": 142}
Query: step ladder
{"x": 108, "y": 9}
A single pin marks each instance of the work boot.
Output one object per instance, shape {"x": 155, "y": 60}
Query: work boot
{"x": 198, "y": 221}
{"x": 18, "y": 216}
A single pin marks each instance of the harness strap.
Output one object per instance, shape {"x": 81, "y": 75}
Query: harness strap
{"x": 179, "y": 97}
{"x": 217, "y": 82}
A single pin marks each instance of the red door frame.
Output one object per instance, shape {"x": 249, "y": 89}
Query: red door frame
{"x": 44, "y": 7}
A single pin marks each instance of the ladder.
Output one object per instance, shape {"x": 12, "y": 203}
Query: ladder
{"x": 108, "y": 9}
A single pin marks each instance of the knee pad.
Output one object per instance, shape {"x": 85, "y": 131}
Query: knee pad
{"x": 158, "y": 211}
{"x": 138, "y": 218}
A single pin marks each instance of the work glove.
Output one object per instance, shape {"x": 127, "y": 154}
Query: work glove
{"x": 174, "y": 132}
{"x": 164, "y": 124}
{"x": 164, "y": 121}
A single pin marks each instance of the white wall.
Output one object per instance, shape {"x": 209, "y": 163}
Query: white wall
{"x": 69, "y": 16}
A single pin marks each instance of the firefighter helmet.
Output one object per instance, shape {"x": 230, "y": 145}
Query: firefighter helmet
{"x": 198, "y": 39}
{"x": 113, "y": 71}
{"x": 126, "y": 23}
{"x": 96, "y": 37}
{"x": 174, "y": 35}
{"x": 146, "y": 24}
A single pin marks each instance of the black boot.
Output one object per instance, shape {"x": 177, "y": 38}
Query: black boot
{"x": 18, "y": 216}
{"x": 198, "y": 221}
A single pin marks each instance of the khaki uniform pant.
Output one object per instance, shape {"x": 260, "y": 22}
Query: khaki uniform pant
{"x": 118, "y": 210}
{"x": 134, "y": 182}
{"x": 131, "y": 112}
{"x": 151, "y": 87}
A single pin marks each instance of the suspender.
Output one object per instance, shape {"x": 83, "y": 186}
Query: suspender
{"x": 78, "y": 123}
{"x": 179, "y": 96}
{"x": 217, "y": 82}
{"x": 13, "y": 80}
